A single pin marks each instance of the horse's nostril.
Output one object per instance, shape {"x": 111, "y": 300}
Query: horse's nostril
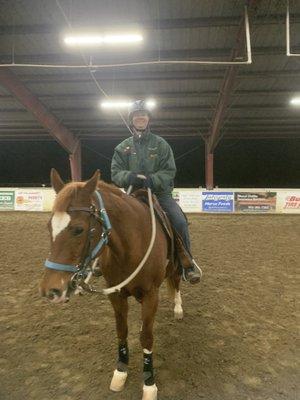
{"x": 53, "y": 293}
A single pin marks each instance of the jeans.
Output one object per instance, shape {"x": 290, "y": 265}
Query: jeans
{"x": 176, "y": 217}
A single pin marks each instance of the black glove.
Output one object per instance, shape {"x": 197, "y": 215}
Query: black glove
{"x": 134, "y": 180}
{"x": 148, "y": 183}
{"x": 140, "y": 181}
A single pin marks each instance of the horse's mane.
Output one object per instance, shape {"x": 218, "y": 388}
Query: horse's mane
{"x": 70, "y": 190}
{"x": 110, "y": 187}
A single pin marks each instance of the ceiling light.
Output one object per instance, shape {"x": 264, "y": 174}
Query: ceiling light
{"x": 150, "y": 104}
{"x": 123, "y": 104}
{"x": 113, "y": 104}
{"x": 95, "y": 40}
{"x": 295, "y": 101}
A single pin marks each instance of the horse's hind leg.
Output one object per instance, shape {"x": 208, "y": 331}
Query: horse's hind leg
{"x": 174, "y": 289}
{"x": 178, "y": 310}
{"x": 149, "y": 307}
{"x": 120, "y": 306}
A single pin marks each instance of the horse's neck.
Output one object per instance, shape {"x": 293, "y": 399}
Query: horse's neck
{"x": 128, "y": 218}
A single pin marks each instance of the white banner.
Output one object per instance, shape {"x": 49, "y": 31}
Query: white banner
{"x": 190, "y": 200}
{"x": 29, "y": 200}
{"x": 288, "y": 202}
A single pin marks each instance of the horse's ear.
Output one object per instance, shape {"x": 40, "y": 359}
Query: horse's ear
{"x": 92, "y": 183}
{"x": 56, "y": 181}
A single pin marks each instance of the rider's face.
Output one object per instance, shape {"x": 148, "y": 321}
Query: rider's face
{"x": 140, "y": 120}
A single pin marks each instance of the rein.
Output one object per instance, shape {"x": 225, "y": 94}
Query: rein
{"x": 82, "y": 271}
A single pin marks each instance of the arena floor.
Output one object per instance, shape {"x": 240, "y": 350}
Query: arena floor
{"x": 237, "y": 340}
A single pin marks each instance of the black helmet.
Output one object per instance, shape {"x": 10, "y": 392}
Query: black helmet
{"x": 138, "y": 105}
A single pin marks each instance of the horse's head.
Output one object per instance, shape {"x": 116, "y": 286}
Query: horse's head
{"x": 70, "y": 228}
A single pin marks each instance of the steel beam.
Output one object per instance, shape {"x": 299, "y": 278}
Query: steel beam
{"x": 89, "y": 113}
{"x": 174, "y": 132}
{"x": 109, "y": 135}
{"x": 12, "y": 83}
{"x": 227, "y": 87}
{"x": 222, "y": 102}
{"x": 127, "y": 75}
{"x": 240, "y": 123}
{"x": 162, "y": 24}
{"x": 109, "y": 57}
{"x": 75, "y": 162}
{"x": 163, "y": 95}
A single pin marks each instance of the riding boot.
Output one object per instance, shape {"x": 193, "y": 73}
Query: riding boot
{"x": 191, "y": 272}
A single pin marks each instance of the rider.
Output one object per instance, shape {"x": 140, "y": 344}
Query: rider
{"x": 146, "y": 160}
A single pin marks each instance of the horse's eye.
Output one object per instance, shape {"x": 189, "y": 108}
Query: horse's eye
{"x": 77, "y": 231}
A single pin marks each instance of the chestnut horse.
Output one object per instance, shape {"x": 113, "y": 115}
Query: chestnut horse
{"x": 76, "y": 228}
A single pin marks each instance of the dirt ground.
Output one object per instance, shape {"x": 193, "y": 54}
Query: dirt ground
{"x": 237, "y": 340}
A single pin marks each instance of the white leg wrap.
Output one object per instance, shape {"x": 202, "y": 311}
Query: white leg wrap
{"x": 150, "y": 392}
{"x": 178, "y": 311}
{"x": 118, "y": 381}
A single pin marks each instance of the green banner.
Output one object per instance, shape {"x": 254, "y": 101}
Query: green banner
{"x": 7, "y": 200}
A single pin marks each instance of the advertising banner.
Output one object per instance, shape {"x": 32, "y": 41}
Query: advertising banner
{"x": 260, "y": 202}
{"x": 7, "y": 199}
{"x": 190, "y": 200}
{"x": 217, "y": 201}
{"x": 48, "y": 199}
{"x": 29, "y": 200}
{"x": 288, "y": 202}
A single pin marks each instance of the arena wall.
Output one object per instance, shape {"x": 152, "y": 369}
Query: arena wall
{"x": 191, "y": 200}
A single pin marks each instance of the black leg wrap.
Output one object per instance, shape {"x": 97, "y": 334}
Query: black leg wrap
{"x": 148, "y": 370}
{"x": 123, "y": 359}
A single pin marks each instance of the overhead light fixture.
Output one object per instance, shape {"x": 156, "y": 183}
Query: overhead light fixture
{"x": 113, "y": 104}
{"x": 295, "y": 101}
{"x": 123, "y": 104}
{"x": 97, "y": 40}
{"x": 150, "y": 104}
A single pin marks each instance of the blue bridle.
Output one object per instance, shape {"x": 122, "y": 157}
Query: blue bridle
{"x": 101, "y": 216}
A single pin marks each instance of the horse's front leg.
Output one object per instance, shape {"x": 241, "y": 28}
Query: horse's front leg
{"x": 120, "y": 306}
{"x": 149, "y": 307}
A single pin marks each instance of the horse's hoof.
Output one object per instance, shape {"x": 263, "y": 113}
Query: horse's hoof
{"x": 149, "y": 392}
{"x": 178, "y": 312}
{"x": 118, "y": 381}
{"x": 178, "y": 315}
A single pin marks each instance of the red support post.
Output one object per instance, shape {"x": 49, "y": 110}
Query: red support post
{"x": 209, "y": 168}
{"x": 227, "y": 87}
{"x": 11, "y": 82}
{"x": 75, "y": 163}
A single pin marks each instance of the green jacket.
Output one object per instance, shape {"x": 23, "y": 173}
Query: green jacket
{"x": 151, "y": 155}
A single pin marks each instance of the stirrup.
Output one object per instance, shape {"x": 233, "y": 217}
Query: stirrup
{"x": 196, "y": 273}
{"x": 197, "y": 266}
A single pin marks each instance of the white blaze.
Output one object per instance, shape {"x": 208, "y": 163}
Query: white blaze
{"x": 59, "y": 222}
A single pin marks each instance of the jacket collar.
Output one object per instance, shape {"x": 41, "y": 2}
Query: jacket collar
{"x": 144, "y": 137}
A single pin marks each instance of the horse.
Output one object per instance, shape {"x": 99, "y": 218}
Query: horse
{"x": 75, "y": 228}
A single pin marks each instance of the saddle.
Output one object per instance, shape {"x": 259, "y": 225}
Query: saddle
{"x": 177, "y": 253}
